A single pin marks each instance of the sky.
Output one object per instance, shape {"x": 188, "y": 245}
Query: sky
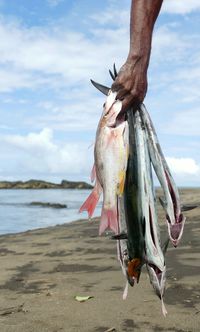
{"x": 49, "y": 111}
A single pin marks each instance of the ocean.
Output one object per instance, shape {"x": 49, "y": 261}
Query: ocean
{"x": 17, "y": 215}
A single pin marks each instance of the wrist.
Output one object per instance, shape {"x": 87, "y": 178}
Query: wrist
{"x": 139, "y": 58}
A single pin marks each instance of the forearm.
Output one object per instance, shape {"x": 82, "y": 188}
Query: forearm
{"x": 143, "y": 17}
{"x": 131, "y": 81}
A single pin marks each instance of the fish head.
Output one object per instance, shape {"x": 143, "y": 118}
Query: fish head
{"x": 111, "y": 98}
{"x": 157, "y": 279}
{"x": 125, "y": 263}
{"x": 110, "y": 114}
{"x": 176, "y": 230}
{"x": 133, "y": 270}
{"x": 175, "y": 220}
{"x": 178, "y": 215}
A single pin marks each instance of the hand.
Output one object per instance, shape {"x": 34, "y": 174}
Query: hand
{"x": 131, "y": 84}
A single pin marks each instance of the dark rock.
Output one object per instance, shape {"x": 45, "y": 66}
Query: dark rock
{"x": 51, "y": 205}
{"x": 72, "y": 184}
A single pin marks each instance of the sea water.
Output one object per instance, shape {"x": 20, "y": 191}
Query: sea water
{"x": 17, "y": 215}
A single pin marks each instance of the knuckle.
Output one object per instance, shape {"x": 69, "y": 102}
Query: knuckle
{"x": 134, "y": 93}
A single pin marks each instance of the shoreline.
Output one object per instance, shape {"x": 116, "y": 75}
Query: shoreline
{"x": 42, "y": 270}
{"x": 65, "y": 224}
{"x": 188, "y": 196}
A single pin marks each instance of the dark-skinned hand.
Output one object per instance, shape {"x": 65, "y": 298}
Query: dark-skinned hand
{"x": 131, "y": 84}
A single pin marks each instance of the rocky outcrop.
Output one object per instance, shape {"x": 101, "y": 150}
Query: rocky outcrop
{"x": 40, "y": 184}
{"x": 77, "y": 185}
{"x": 49, "y": 205}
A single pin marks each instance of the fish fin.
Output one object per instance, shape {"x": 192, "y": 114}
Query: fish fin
{"x": 162, "y": 202}
{"x": 104, "y": 89}
{"x": 115, "y": 70}
{"x": 122, "y": 177}
{"x": 112, "y": 75}
{"x": 188, "y": 207}
{"x": 121, "y": 236}
{"x": 93, "y": 173}
{"x": 109, "y": 220}
{"x": 90, "y": 204}
{"x": 164, "y": 310}
{"x": 125, "y": 293}
{"x": 92, "y": 144}
{"x": 165, "y": 246}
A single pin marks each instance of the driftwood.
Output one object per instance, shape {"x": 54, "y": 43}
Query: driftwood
{"x": 12, "y": 310}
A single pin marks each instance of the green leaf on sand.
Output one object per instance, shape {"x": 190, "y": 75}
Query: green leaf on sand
{"x": 82, "y": 298}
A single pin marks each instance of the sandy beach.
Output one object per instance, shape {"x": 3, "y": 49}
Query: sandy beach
{"x": 43, "y": 270}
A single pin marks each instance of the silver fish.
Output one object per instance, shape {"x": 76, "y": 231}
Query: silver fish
{"x": 155, "y": 260}
{"x": 171, "y": 204}
{"x": 131, "y": 237}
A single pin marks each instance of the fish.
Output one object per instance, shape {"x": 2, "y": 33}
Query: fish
{"x": 111, "y": 156}
{"x": 131, "y": 237}
{"x": 136, "y": 227}
{"x": 171, "y": 202}
{"x": 130, "y": 240}
{"x": 154, "y": 256}
{"x": 132, "y": 206}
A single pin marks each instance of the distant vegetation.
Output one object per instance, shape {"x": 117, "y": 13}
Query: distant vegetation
{"x": 39, "y": 184}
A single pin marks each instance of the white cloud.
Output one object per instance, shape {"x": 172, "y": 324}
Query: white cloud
{"x": 112, "y": 15}
{"x": 76, "y": 114}
{"x": 183, "y": 166}
{"x": 57, "y": 57}
{"x": 38, "y": 142}
{"x": 13, "y": 79}
{"x": 185, "y": 123}
{"x": 54, "y": 56}
{"x": 180, "y": 6}
{"x": 163, "y": 40}
{"x": 39, "y": 153}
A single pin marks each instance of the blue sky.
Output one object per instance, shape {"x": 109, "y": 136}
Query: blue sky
{"x": 49, "y": 111}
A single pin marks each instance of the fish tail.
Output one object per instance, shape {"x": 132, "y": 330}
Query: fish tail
{"x": 109, "y": 219}
{"x": 125, "y": 293}
{"x": 90, "y": 204}
{"x": 164, "y": 310}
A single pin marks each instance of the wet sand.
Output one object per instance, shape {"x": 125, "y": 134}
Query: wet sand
{"x": 42, "y": 271}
